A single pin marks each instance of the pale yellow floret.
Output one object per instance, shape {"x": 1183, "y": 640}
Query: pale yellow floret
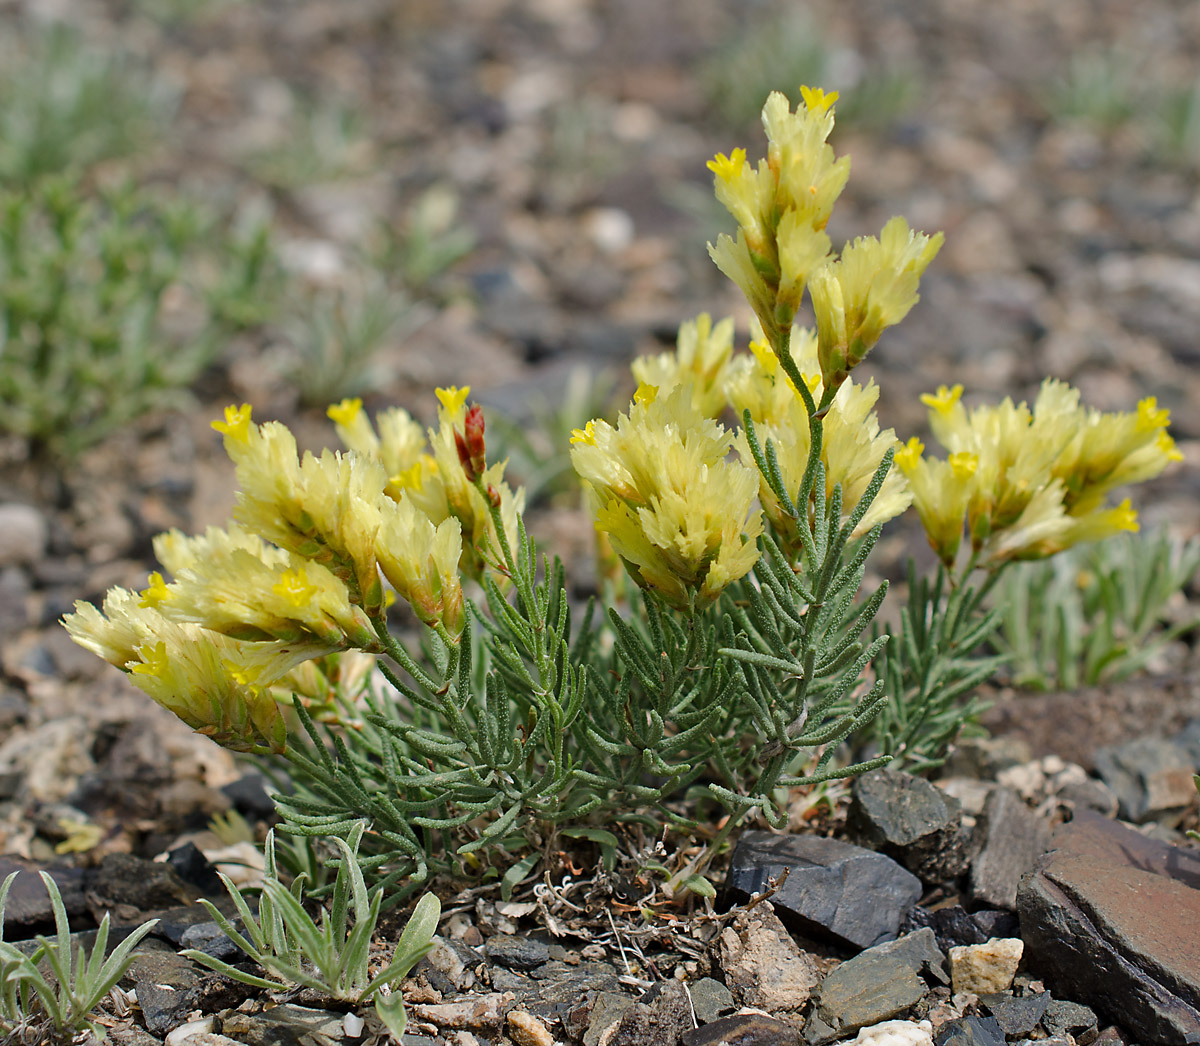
{"x": 236, "y": 425}
{"x": 453, "y": 398}
{"x": 354, "y": 427}
{"x": 156, "y": 592}
{"x": 675, "y": 510}
{"x": 701, "y": 356}
{"x": 421, "y": 562}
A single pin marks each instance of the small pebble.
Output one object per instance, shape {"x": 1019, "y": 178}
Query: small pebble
{"x": 896, "y": 1033}
{"x": 527, "y": 1030}
{"x": 987, "y": 967}
{"x": 25, "y": 534}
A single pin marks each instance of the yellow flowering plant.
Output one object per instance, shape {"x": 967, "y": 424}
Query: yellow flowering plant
{"x": 378, "y": 623}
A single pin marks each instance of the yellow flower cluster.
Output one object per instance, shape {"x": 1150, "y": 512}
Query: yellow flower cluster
{"x": 301, "y": 573}
{"x": 781, "y": 207}
{"x": 429, "y": 476}
{"x": 701, "y": 358}
{"x": 675, "y": 510}
{"x": 852, "y": 448}
{"x": 1026, "y": 483}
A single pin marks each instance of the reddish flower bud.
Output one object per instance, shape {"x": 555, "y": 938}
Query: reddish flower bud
{"x": 474, "y": 432}
{"x": 464, "y": 456}
{"x": 493, "y": 496}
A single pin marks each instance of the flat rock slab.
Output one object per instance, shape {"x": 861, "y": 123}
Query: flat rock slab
{"x": 1009, "y": 838}
{"x": 1107, "y": 929}
{"x": 833, "y": 889}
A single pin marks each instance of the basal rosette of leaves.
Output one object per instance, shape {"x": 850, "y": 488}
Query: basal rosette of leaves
{"x": 743, "y": 491}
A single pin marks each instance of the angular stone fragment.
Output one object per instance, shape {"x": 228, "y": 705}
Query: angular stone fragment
{"x": 862, "y": 991}
{"x": 473, "y": 1012}
{"x": 661, "y": 1020}
{"x": 517, "y": 953}
{"x": 970, "y": 1031}
{"x": 1063, "y": 1017}
{"x": 908, "y": 818}
{"x": 744, "y": 1029}
{"x": 1150, "y": 777}
{"x": 833, "y": 889}
{"x": 286, "y": 1023}
{"x": 527, "y": 1030}
{"x": 1009, "y": 838}
{"x": 987, "y": 967}
{"x": 920, "y": 950}
{"x": 1104, "y": 930}
{"x": 710, "y": 999}
{"x": 762, "y": 965}
{"x": 1017, "y": 1017}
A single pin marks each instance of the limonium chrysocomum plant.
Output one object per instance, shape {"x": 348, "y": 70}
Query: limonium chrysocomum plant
{"x": 377, "y": 624}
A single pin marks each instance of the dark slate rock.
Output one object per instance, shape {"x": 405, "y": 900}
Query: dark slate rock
{"x": 164, "y": 982}
{"x": 196, "y": 870}
{"x": 27, "y": 910}
{"x": 209, "y": 938}
{"x": 132, "y": 885}
{"x": 744, "y": 1029}
{"x": 970, "y": 1031}
{"x": 920, "y": 951}
{"x": 865, "y": 990}
{"x": 516, "y": 953}
{"x": 661, "y": 1019}
{"x": 556, "y": 997}
{"x": 249, "y": 796}
{"x": 995, "y": 923}
{"x": 592, "y": 1013}
{"x": 1104, "y": 931}
{"x": 833, "y": 889}
{"x": 1009, "y": 838}
{"x": 1017, "y": 1017}
{"x": 1063, "y": 1017}
{"x": 1149, "y": 776}
{"x": 908, "y": 818}
{"x": 710, "y": 999}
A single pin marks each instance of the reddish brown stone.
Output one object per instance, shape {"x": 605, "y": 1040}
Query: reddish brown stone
{"x": 1104, "y": 925}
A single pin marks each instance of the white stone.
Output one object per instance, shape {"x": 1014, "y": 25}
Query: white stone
{"x": 896, "y": 1033}
{"x": 609, "y": 228}
{"x": 352, "y": 1025}
{"x": 987, "y": 967}
{"x": 23, "y": 534}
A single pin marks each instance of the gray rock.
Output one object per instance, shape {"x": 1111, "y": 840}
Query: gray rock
{"x": 25, "y": 534}
{"x": 1009, "y": 838}
{"x": 517, "y": 953}
{"x": 209, "y": 938}
{"x": 762, "y": 965}
{"x": 554, "y": 996}
{"x": 1016, "y": 1016}
{"x": 920, "y": 950}
{"x": 911, "y": 820}
{"x": 865, "y": 990}
{"x": 1107, "y": 932}
{"x": 744, "y": 1029}
{"x": 833, "y": 889}
{"x": 298, "y": 1025}
{"x": 588, "y": 1020}
{"x": 27, "y": 909}
{"x": 661, "y": 1019}
{"x": 1068, "y": 1018}
{"x": 164, "y": 982}
{"x": 1151, "y": 777}
{"x": 970, "y": 1031}
{"x": 710, "y": 999}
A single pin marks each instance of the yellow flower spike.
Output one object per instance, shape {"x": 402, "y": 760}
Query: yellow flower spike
{"x": 728, "y": 167}
{"x": 944, "y": 399}
{"x": 816, "y": 99}
{"x": 453, "y": 398}
{"x": 1166, "y": 446}
{"x": 236, "y": 425}
{"x": 907, "y": 456}
{"x": 156, "y": 592}
{"x": 1150, "y": 416}
{"x": 587, "y": 434}
{"x": 345, "y": 412}
{"x": 677, "y": 512}
{"x": 645, "y": 395}
{"x": 701, "y": 358}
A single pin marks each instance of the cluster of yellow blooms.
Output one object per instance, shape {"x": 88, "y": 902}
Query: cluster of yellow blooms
{"x": 300, "y": 574}
{"x": 1028, "y": 483}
